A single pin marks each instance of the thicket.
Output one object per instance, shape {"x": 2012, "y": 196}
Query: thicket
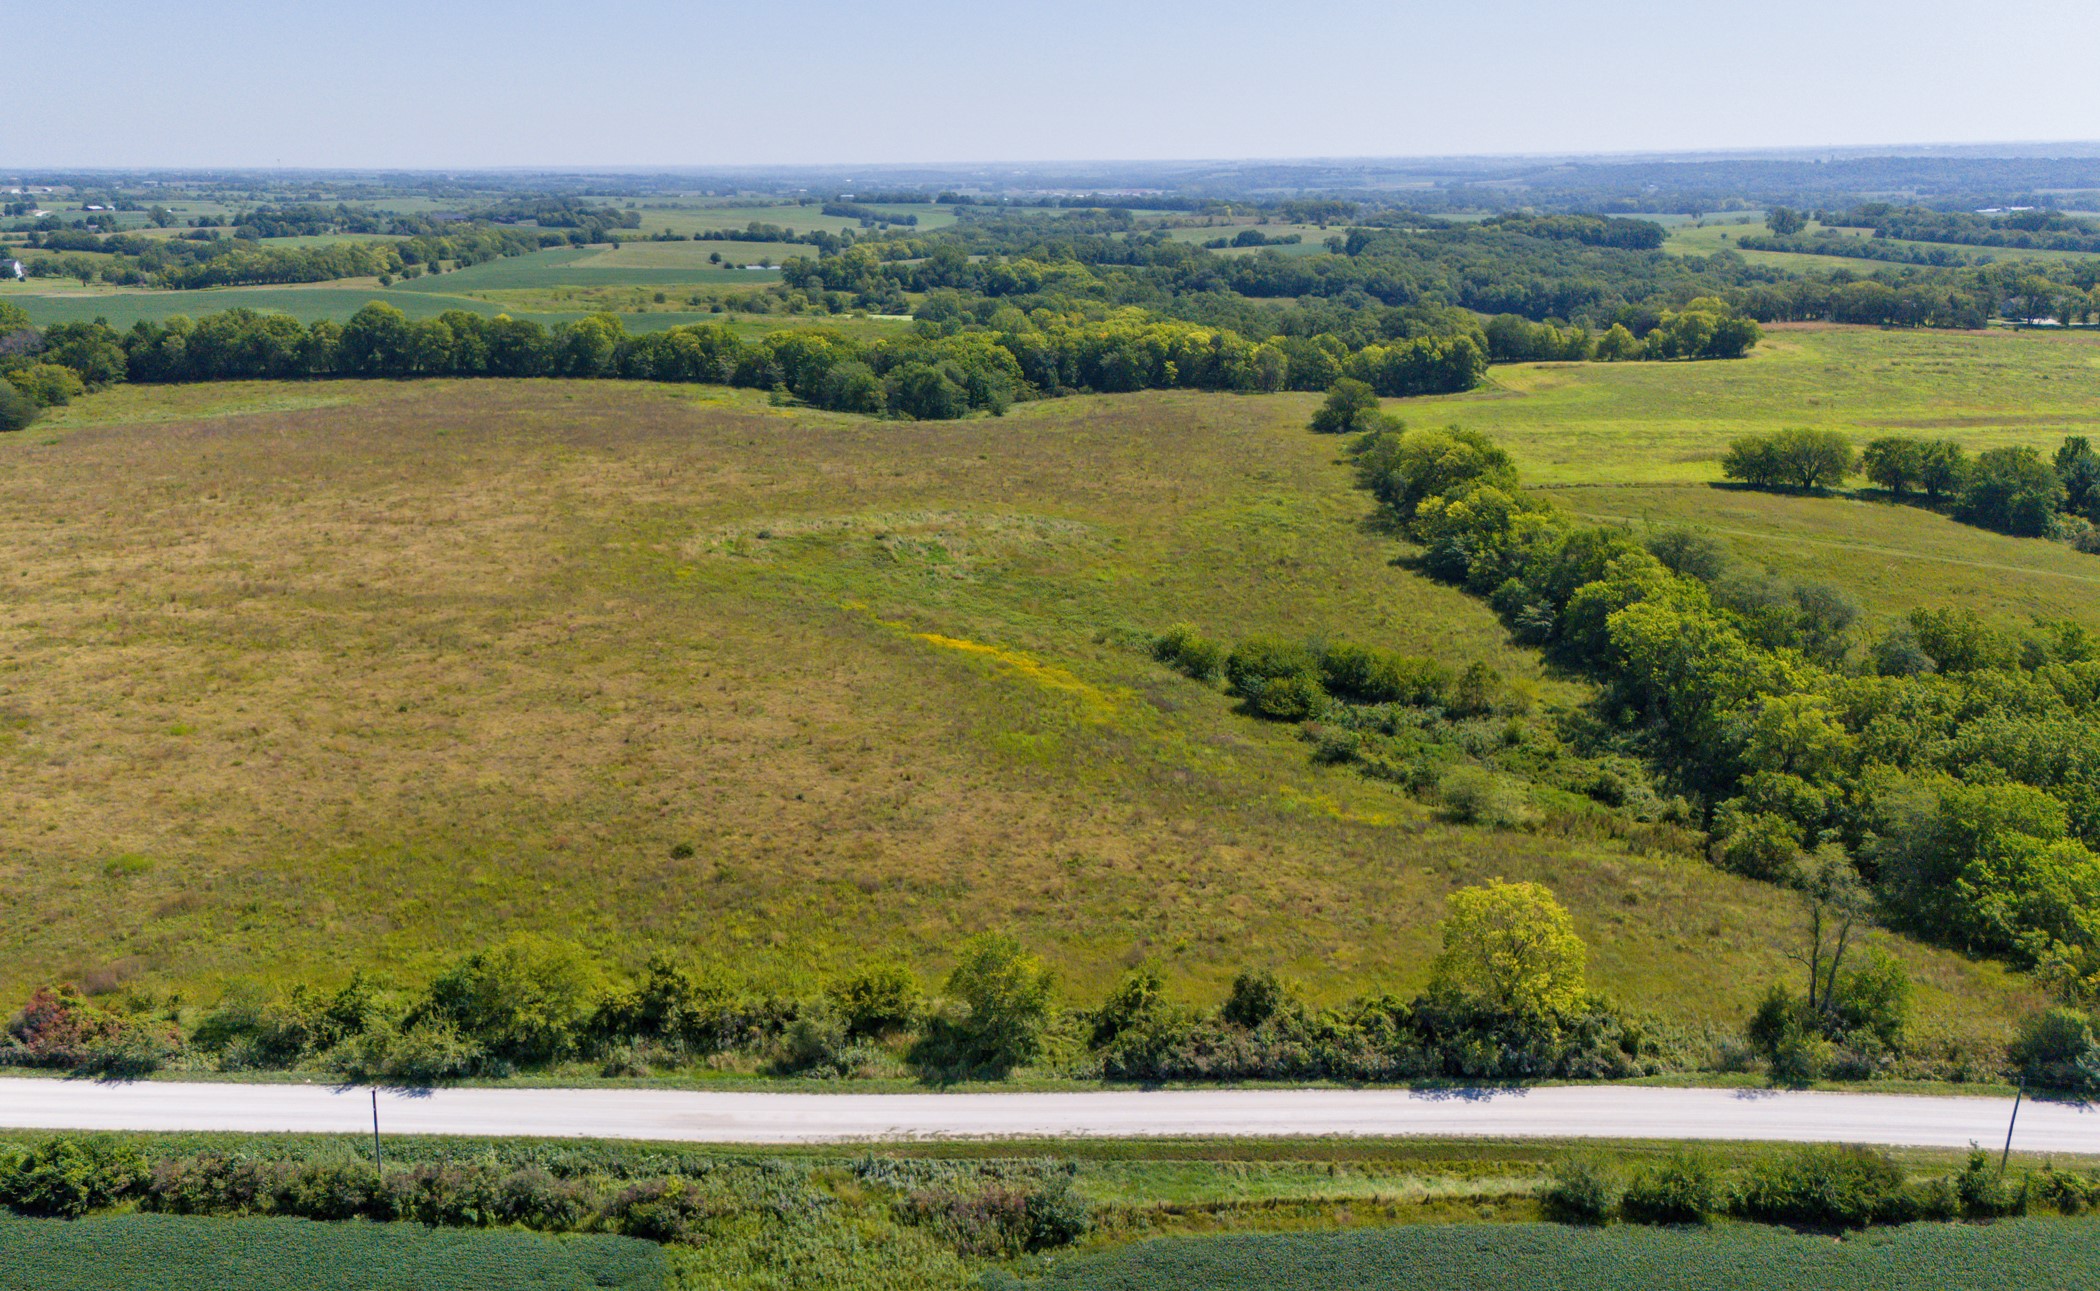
{"x": 1951, "y": 767}
{"x": 2012, "y": 490}
{"x": 1825, "y": 1187}
{"x": 1508, "y": 1000}
{"x": 761, "y": 1213}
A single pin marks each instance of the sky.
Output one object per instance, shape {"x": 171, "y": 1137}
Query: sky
{"x": 474, "y": 83}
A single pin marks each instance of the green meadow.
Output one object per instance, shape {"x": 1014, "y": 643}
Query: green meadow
{"x": 362, "y": 672}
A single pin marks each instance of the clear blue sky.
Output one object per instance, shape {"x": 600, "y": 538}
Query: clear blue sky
{"x": 655, "y": 82}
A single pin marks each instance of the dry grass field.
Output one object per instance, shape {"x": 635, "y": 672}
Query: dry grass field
{"x": 296, "y": 678}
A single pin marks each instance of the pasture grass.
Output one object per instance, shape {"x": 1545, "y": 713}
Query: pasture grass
{"x": 416, "y": 665}
{"x": 1657, "y": 423}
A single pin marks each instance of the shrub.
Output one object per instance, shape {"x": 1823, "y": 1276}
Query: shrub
{"x": 1580, "y": 1190}
{"x": 429, "y": 1051}
{"x": 1824, "y": 1186}
{"x": 1256, "y": 997}
{"x": 67, "y": 1177}
{"x": 1690, "y": 553}
{"x": 1257, "y": 661}
{"x": 2056, "y": 1049}
{"x": 526, "y": 1000}
{"x": 48, "y": 385}
{"x": 17, "y": 410}
{"x": 1002, "y": 1220}
{"x": 1290, "y": 699}
{"x": 1351, "y": 408}
{"x": 877, "y": 1001}
{"x": 1005, "y": 996}
{"x": 1183, "y": 648}
{"x": 1472, "y": 795}
{"x": 1682, "y": 1190}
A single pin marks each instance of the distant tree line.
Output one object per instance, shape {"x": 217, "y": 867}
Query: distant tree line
{"x": 931, "y": 374}
{"x": 2013, "y": 490}
{"x": 1951, "y": 767}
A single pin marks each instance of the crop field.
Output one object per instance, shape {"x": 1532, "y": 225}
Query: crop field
{"x": 2032, "y": 1255}
{"x": 175, "y": 1253}
{"x": 362, "y": 672}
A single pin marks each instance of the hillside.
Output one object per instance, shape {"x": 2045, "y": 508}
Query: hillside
{"x": 300, "y": 677}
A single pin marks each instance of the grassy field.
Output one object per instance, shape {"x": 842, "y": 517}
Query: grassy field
{"x": 366, "y": 672}
{"x": 1569, "y": 426}
{"x": 47, "y": 304}
{"x": 2030, "y": 1255}
{"x": 587, "y": 266}
{"x": 1575, "y": 423}
{"x": 1718, "y": 234}
{"x": 700, "y": 216}
{"x": 687, "y": 255}
{"x": 177, "y": 1253}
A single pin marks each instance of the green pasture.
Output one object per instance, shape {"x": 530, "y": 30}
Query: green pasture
{"x": 2011, "y": 1255}
{"x": 705, "y": 216}
{"x": 1658, "y": 423}
{"x": 574, "y": 267}
{"x": 1715, "y": 235}
{"x": 179, "y": 1253}
{"x": 121, "y": 307}
{"x": 688, "y": 255}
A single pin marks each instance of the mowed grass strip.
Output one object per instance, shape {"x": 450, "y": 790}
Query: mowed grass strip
{"x": 362, "y": 684}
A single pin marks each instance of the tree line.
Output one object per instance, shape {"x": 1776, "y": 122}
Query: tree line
{"x": 2013, "y": 490}
{"x": 931, "y": 374}
{"x": 1508, "y": 997}
{"x": 1950, "y": 768}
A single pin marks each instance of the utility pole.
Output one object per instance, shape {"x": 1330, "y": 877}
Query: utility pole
{"x": 2018, "y": 1094}
{"x": 379, "y": 1162}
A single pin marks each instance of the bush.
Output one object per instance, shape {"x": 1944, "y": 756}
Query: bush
{"x": 1258, "y": 661}
{"x": 1690, "y": 553}
{"x": 526, "y": 1000}
{"x": 1005, "y": 996}
{"x": 430, "y": 1051}
{"x": 1472, "y": 795}
{"x": 47, "y": 385}
{"x": 1682, "y": 1190}
{"x": 1824, "y": 1186}
{"x": 2056, "y": 1049}
{"x": 17, "y": 410}
{"x": 66, "y": 1178}
{"x": 877, "y": 1001}
{"x": 1004, "y": 1220}
{"x": 1580, "y": 1191}
{"x": 1183, "y": 648}
{"x": 1351, "y": 408}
